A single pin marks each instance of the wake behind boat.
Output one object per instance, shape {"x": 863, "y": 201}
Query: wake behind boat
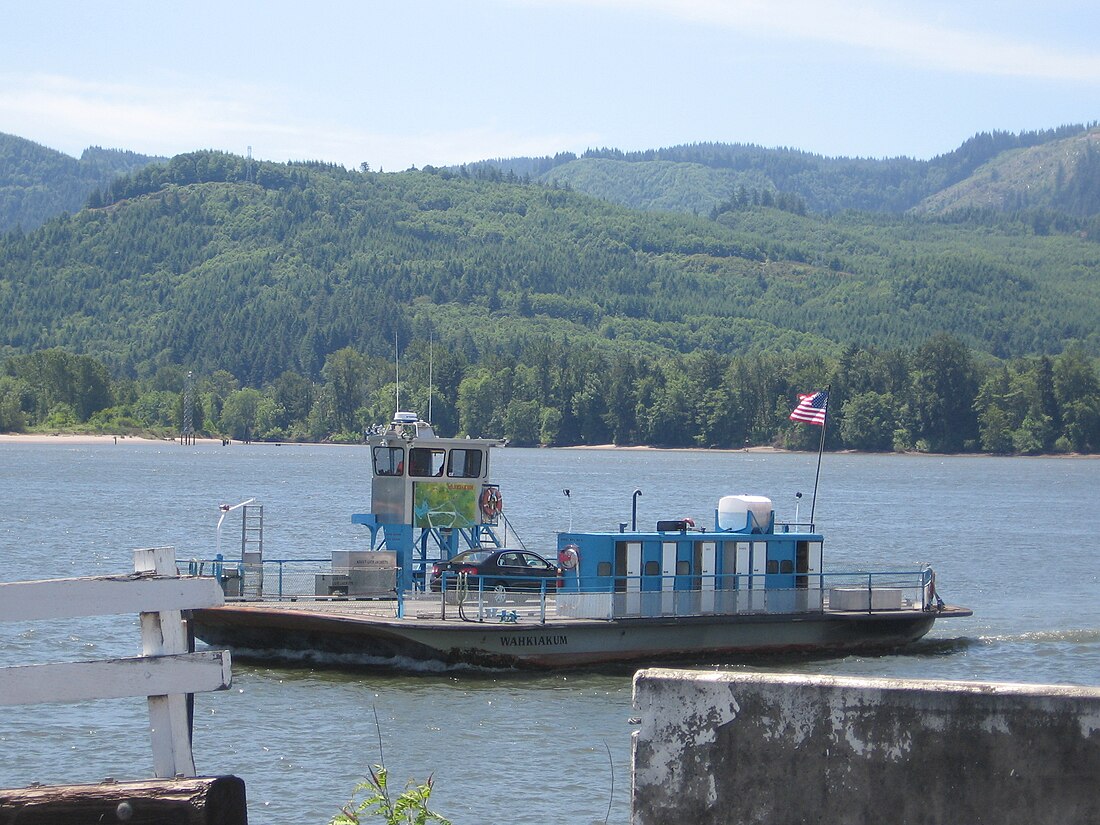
{"x": 746, "y": 584}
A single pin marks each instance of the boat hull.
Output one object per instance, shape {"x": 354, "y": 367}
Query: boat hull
{"x": 272, "y": 632}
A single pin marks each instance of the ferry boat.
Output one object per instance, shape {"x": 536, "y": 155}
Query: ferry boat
{"x": 745, "y": 584}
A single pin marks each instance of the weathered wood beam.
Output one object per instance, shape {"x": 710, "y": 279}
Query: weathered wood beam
{"x": 218, "y": 800}
{"x": 116, "y": 678}
{"x": 105, "y": 596}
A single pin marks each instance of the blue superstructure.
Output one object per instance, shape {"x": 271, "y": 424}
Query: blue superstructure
{"x": 431, "y": 497}
{"x": 729, "y": 562}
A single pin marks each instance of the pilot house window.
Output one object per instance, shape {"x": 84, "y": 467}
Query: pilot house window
{"x": 389, "y": 461}
{"x": 425, "y": 462}
{"x": 464, "y": 464}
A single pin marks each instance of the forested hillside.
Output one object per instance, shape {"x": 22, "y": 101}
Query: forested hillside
{"x": 1062, "y": 175}
{"x": 552, "y": 317}
{"x": 37, "y": 183}
{"x": 699, "y": 177}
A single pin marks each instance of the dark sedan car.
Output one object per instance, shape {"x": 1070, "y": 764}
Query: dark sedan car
{"x": 500, "y": 570}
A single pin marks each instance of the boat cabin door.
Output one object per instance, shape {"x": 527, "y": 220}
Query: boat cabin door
{"x": 757, "y": 581}
{"x": 780, "y": 575}
{"x": 705, "y": 564}
{"x": 628, "y": 573}
{"x": 669, "y": 550}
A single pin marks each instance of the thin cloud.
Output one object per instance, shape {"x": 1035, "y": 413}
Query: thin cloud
{"x": 897, "y": 34}
{"x": 159, "y": 120}
{"x": 394, "y": 152}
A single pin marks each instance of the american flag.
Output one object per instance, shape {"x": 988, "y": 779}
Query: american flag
{"x": 811, "y": 408}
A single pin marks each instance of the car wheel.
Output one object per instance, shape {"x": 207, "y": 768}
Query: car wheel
{"x": 499, "y": 594}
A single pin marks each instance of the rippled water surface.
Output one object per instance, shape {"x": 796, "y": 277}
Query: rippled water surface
{"x": 1010, "y": 538}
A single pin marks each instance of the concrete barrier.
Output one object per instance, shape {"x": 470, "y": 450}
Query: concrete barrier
{"x": 758, "y": 749}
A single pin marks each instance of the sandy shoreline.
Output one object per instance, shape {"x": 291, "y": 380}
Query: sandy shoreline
{"x": 82, "y": 438}
{"x": 763, "y": 449}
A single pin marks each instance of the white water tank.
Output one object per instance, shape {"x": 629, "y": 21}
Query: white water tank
{"x": 733, "y": 513}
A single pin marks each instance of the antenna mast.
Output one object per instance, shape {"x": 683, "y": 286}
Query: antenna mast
{"x": 397, "y": 371}
{"x": 431, "y": 354}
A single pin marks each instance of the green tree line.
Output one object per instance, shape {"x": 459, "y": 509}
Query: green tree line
{"x": 936, "y": 397}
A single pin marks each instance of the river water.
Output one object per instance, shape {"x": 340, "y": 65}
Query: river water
{"x": 1011, "y": 538}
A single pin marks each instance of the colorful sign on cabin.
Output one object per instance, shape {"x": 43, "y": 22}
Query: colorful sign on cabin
{"x": 446, "y": 505}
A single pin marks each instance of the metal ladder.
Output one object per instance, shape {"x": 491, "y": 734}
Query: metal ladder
{"x": 252, "y": 550}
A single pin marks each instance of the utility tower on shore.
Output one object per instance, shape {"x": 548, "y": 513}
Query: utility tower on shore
{"x": 187, "y": 436}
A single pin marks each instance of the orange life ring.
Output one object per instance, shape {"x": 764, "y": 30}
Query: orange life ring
{"x": 491, "y": 502}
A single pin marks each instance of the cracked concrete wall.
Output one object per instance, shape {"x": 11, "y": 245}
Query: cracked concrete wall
{"x": 781, "y": 749}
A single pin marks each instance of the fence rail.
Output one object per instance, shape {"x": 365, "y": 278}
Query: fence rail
{"x": 165, "y": 672}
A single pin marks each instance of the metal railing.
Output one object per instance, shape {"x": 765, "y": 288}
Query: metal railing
{"x": 496, "y": 597}
{"x": 290, "y": 579}
{"x": 623, "y": 597}
{"x": 480, "y": 598}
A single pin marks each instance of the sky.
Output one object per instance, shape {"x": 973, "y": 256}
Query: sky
{"x": 408, "y": 83}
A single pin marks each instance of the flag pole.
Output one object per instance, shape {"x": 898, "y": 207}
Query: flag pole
{"x": 820, "y": 450}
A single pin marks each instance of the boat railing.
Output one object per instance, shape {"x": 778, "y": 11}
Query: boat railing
{"x": 482, "y": 598}
{"x": 626, "y": 597}
{"x": 795, "y": 527}
{"x": 865, "y": 592}
{"x": 607, "y": 598}
{"x": 284, "y": 579}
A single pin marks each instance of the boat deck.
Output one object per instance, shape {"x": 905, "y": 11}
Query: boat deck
{"x": 424, "y": 608}
{"x": 518, "y": 611}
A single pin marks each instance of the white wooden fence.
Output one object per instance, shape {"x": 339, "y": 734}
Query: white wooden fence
{"x": 165, "y": 672}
